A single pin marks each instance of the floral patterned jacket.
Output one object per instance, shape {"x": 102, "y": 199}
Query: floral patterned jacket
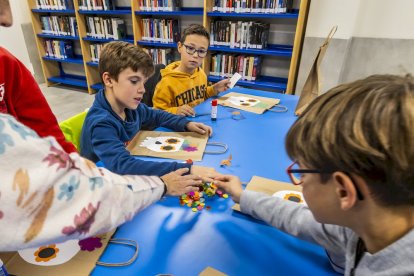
{"x": 47, "y": 195}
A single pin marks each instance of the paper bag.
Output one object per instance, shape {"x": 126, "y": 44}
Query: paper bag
{"x": 280, "y": 189}
{"x": 246, "y": 102}
{"x": 209, "y": 271}
{"x": 173, "y": 145}
{"x": 78, "y": 257}
{"x": 311, "y": 88}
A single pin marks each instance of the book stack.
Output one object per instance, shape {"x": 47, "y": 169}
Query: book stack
{"x": 252, "y": 6}
{"x": 160, "y": 30}
{"x": 106, "y": 28}
{"x": 161, "y": 56}
{"x": 239, "y": 34}
{"x": 225, "y": 65}
{"x": 96, "y": 51}
{"x": 159, "y": 5}
{"x": 59, "y": 25}
{"x": 96, "y": 5}
{"x": 60, "y": 49}
{"x": 54, "y": 4}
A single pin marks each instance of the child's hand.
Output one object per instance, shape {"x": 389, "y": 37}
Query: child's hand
{"x": 205, "y": 172}
{"x": 185, "y": 110}
{"x": 177, "y": 184}
{"x": 221, "y": 86}
{"x": 231, "y": 185}
{"x": 199, "y": 128}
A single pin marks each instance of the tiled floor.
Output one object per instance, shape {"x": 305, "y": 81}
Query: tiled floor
{"x": 66, "y": 101}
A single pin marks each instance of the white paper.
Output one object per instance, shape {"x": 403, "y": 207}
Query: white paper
{"x": 234, "y": 79}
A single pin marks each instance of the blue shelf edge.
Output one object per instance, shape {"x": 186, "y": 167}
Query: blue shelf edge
{"x": 183, "y": 11}
{"x": 118, "y": 10}
{"x": 93, "y": 63}
{"x": 76, "y": 60}
{"x": 261, "y": 82}
{"x": 271, "y": 50}
{"x": 97, "y": 86}
{"x": 58, "y": 36}
{"x": 52, "y": 11}
{"x": 74, "y": 80}
{"x": 250, "y": 14}
{"x": 157, "y": 44}
{"x": 129, "y": 39}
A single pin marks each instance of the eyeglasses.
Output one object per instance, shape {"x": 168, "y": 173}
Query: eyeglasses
{"x": 296, "y": 174}
{"x": 191, "y": 50}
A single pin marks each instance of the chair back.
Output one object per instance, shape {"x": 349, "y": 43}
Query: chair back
{"x": 151, "y": 84}
{"x": 72, "y": 128}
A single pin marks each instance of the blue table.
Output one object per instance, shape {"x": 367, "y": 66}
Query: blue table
{"x": 174, "y": 240}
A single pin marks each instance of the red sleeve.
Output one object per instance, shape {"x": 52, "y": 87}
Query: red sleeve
{"x": 25, "y": 101}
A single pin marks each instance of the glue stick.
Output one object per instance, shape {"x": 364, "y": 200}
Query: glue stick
{"x": 214, "y": 110}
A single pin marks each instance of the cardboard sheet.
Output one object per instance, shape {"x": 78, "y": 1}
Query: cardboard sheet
{"x": 247, "y": 102}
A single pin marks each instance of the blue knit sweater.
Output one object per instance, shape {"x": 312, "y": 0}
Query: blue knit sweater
{"x": 105, "y": 134}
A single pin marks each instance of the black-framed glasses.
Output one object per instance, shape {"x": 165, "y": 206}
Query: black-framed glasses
{"x": 295, "y": 174}
{"x": 191, "y": 50}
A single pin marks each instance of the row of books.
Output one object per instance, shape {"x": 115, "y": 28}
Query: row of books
{"x": 96, "y": 51}
{"x": 161, "y": 56}
{"x": 54, "y": 4}
{"x": 252, "y": 6}
{"x": 58, "y": 48}
{"x": 109, "y": 28}
{"x": 225, "y": 65}
{"x": 159, "y": 5}
{"x": 96, "y": 5}
{"x": 239, "y": 34}
{"x": 59, "y": 25}
{"x": 160, "y": 30}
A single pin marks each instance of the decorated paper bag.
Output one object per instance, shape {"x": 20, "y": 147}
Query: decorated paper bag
{"x": 173, "y": 145}
{"x": 72, "y": 257}
{"x": 311, "y": 88}
{"x": 275, "y": 188}
{"x": 246, "y": 102}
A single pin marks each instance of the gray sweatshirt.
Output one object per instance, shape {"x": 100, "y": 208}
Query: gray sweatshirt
{"x": 339, "y": 242}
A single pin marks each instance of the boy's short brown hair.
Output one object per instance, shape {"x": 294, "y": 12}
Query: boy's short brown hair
{"x": 195, "y": 29}
{"x": 365, "y": 127}
{"x": 117, "y": 56}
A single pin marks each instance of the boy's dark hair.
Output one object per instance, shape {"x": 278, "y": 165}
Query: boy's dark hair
{"x": 117, "y": 56}
{"x": 365, "y": 128}
{"x": 195, "y": 29}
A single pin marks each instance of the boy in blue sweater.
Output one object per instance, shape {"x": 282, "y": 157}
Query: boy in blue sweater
{"x": 116, "y": 115}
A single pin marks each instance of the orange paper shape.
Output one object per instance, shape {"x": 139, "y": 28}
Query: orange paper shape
{"x": 226, "y": 162}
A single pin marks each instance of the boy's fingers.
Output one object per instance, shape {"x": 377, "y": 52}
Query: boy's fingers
{"x": 182, "y": 171}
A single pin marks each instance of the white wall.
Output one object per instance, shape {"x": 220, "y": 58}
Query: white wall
{"x": 12, "y": 38}
{"x": 385, "y": 19}
{"x": 362, "y": 18}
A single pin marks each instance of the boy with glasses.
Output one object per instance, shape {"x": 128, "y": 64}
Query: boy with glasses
{"x": 354, "y": 147}
{"x": 184, "y": 83}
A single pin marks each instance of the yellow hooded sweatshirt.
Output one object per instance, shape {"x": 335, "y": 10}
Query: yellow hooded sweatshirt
{"x": 178, "y": 88}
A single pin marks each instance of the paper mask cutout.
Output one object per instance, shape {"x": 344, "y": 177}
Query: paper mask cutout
{"x": 242, "y": 101}
{"x": 163, "y": 144}
{"x": 53, "y": 254}
{"x": 290, "y": 195}
{"x": 226, "y": 162}
{"x": 173, "y": 145}
{"x": 270, "y": 187}
{"x": 246, "y": 102}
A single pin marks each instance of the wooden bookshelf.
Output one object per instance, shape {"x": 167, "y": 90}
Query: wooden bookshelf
{"x": 87, "y": 76}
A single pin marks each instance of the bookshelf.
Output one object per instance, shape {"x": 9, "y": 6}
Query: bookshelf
{"x": 80, "y": 68}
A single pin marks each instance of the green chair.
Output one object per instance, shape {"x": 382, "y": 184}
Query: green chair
{"x": 72, "y": 128}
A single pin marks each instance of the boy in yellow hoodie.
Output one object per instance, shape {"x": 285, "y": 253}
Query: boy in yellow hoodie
{"x": 184, "y": 83}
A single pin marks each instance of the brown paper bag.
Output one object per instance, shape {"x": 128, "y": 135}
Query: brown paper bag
{"x": 247, "y": 102}
{"x": 270, "y": 187}
{"x": 311, "y": 88}
{"x": 209, "y": 271}
{"x": 82, "y": 263}
{"x": 173, "y": 145}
